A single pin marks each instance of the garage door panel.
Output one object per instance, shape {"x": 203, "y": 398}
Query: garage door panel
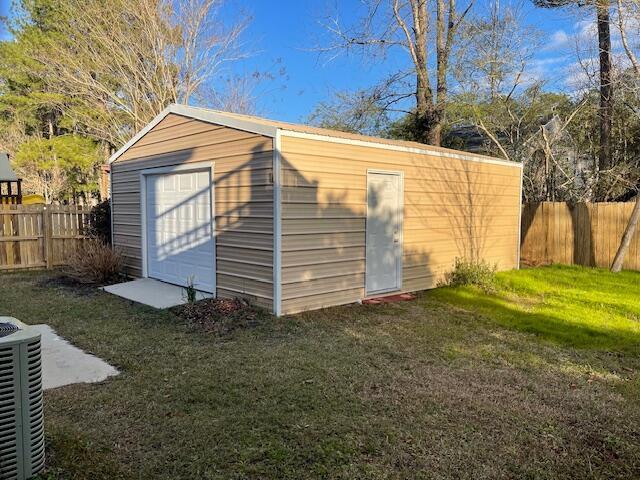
{"x": 179, "y": 229}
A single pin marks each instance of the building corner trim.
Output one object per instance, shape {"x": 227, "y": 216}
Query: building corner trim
{"x": 277, "y": 225}
{"x": 113, "y": 240}
{"x": 521, "y": 200}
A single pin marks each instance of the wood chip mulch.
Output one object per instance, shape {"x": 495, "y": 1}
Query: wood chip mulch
{"x": 219, "y": 315}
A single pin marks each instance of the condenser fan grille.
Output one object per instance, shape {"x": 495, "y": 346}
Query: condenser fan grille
{"x": 7, "y": 329}
{"x": 36, "y": 417}
{"x": 8, "y": 427}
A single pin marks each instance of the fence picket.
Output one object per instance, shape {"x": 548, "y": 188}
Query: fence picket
{"x": 36, "y": 236}
{"x": 552, "y": 232}
{"x": 583, "y": 234}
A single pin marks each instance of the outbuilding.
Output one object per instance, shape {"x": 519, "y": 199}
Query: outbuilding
{"x": 296, "y": 218}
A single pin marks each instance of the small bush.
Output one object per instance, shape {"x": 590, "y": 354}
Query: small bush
{"x": 100, "y": 222}
{"x": 94, "y": 262}
{"x": 190, "y": 291}
{"x": 478, "y": 273}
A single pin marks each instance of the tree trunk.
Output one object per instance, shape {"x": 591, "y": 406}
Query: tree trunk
{"x": 428, "y": 125}
{"x": 616, "y": 266}
{"x": 442, "y": 64}
{"x": 435, "y": 134}
{"x": 424, "y": 100}
{"x": 423, "y": 109}
{"x": 606, "y": 88}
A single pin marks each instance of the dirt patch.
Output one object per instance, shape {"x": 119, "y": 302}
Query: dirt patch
{"x": 68, "y": 284}
{"x": 220, "y": 316}
{"x": 72, "y": 285}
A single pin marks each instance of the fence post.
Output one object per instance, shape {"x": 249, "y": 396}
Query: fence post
{"x": 7, "y": 229}
{"x": 48, "y": 234}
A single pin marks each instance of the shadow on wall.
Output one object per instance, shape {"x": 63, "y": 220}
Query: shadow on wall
{"x": 323, "y": 250}
{"x": 448, "y": 213}
{"x": 243, "y": 212}
{"x": 467, "y": 213}
{"x": 324, "y": 241}
{"x": 244, "y": 226}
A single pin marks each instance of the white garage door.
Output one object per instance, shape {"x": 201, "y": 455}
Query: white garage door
{"x": 180, "y": 243}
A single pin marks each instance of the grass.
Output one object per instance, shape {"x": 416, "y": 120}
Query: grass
{"x": 572, "y": 306}
{"x": 442, "y": 387}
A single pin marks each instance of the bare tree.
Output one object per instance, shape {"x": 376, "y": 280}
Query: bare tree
{"x": 603, "y": 20}
{"x": 410, "y": 27}
{"x": 492, "y": 72}
{"x": 123, "y": 61}
{"x": 497, "y": 47}
{"x": 503, "y": 98}
{"x": 628, "y": 16}
{"x": 606, "y": 84}
{"x": 628, "y": 13}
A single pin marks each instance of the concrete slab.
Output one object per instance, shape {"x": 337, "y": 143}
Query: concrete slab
{"x": 153, "y": 293}
{"x": 64, "y": 364}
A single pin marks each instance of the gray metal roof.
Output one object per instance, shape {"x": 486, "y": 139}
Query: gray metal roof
{"x": 6, "y": 172}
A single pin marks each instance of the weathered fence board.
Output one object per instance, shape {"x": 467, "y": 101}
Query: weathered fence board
{"x": 39, "y": 236}
{"x": 582, "y": 234}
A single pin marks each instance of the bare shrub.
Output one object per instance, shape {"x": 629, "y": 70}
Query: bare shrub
{"x": 94, "y": 262}
{"x": 478, "y": 273}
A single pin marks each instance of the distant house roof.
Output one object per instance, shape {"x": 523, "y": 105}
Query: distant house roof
{"x": 468, "y": 138}
{"x": 6, "y": 172}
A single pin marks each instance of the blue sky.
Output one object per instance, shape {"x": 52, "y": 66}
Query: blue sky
{"x": 4, "y": 11}
{"x": 283, "y": 30}
{"x": 284, "y": 33}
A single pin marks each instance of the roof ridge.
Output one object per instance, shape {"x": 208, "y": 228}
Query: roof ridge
{"x": 269, "y": 128}
{"x": 310, "y": 129}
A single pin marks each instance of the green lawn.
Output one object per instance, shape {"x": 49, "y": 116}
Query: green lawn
{"x": 538, "y": 381}
{"x": 573, "y": 306}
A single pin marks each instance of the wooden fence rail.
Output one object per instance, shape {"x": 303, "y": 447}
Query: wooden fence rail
{"x": 39, "y": 236}
{"x": 583, "y": 234}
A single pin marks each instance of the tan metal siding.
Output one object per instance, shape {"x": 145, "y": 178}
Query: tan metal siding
{"x": 452, "y": 208}
{"x": 243, "y": 199}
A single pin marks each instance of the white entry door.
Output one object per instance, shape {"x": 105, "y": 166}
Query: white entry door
{"x": 180, "y": 245}
{"x": 384, "y": 232}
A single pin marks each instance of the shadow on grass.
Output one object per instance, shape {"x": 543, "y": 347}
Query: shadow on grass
{"x": 589, "y": 328}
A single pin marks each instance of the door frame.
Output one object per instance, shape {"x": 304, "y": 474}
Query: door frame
{"x": 180, "y": 168}
{"x": 400, "y": 247}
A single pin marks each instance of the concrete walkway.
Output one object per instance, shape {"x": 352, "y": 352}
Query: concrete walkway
{"x": 64, "y": 364}
{"x": 153, "y": 293}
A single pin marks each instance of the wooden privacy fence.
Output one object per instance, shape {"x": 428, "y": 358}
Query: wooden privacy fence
{"x": 583, "y": 234}
{"x": 40, "y": 236}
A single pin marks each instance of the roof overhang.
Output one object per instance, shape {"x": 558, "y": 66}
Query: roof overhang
{"x": 210, "y": 116}
{"x": 247, "y": 124}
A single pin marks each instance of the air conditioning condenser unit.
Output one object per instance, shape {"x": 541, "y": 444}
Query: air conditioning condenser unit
{"x": 21, "y": 409}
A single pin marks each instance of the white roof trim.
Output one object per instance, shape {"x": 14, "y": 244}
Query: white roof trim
{"x": 140, "y": 134}
{"x": 400, "y": 148}
{"x": 247, "y": 125}
{"x": 205, "y": 115}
